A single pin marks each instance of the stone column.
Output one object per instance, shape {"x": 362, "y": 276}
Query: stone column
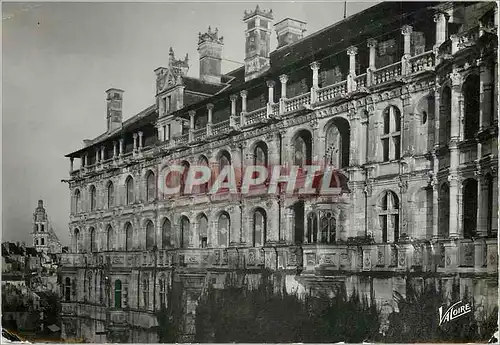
{"x": 273, "y": 221}
{"x": 435, "y": 203}
{"x": 315, "y": 80}
{"x": 96, "y": 155}
{"x": 83, "y": 160}
{"x": 210, "y": 108}
{"x": 233, "y": 99}
{"x": 102, "y": 152}
{"x": 191, "y": 124}
{"x": 354, "y": 159}
{"x": 485, "y": 95}
{"x": 71, "y": 161}
{"x": 243, "y": 95}
{"x": 351, "y": 51}
{"x": 121, "y": 147}
{"x": 441, "y": 20}
{"x": 406, "y": 31}
{"x": 135, "y": 141}
{"x": 454, "y": 185}
{"x": 372, "y": 45}
{"x": 283, "y": 80}
{"x": 482, "y": 205}
{"x": 270, "y": 91}
{"x": 114, "y": 149}
{"x": 140, "y": 140}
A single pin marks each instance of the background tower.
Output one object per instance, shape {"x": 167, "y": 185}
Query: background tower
{"x": 40, "y": 228}
{"x": 258, "y": 42}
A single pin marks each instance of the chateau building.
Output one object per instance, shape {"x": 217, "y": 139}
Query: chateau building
{"x": 44, "y": 238}
{"x": 401, "y": 99}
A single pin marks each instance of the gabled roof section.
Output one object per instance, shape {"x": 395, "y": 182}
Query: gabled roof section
{"x": 146, "y": 116}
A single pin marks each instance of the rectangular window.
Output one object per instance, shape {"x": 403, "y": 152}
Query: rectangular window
{"x": 167, "y": 132}
{"x": 397, "y": 147}
{"x": 383, "y": 227}
{"x": 42, "y": 241}
{"x": 164, "y": 105}
{"x": 396, "y": 227}
{"x": 385, "y": 146}
{"x": 169, "y": 103}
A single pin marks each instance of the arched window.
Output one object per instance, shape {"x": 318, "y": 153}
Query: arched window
{"x": 203, "y": 188}
{"x": 145, "y": 293}
{"x": 118, "y": 294}
{"x": 128, "y": 237}
{"x": 111, "y": 195}
{"x": 337, "y": 143}
{"x": 471, "y": 103}
{"x": 260, "y": 154}
{"x": 130, "y": 190}
{"x": 78, "y": 201}
{"x": 151, "y": 187}
{"x": 76, "y": 241}
{"x": 302, "y": 148}
{"x": 259, "y": 227}
{"x": 150, "y": 236}
{"x": 389, "y": 216}
{"x": 185, "y": 229}
{"x": 489, "y": 196}
{"x": 67, "y": 290}
{"x": 109, "y": 238}
{"x": 93, "y": 240}
{"x": 163, "y": 292}
{"x": 469, "y": 207}
{"x": 312, "y": 228}
{"x": 224, "y": 229}
{"x": 203, "y": 230}
{"x": 391, "y": 137}
{"x": 224, "y": 161}
{"x": 328, "y": 225}
{"x": 93, "y": 198}
{"x": 166, "y": 233}
{"x": 444, "y": 211}
{"x": 445, "y": 116}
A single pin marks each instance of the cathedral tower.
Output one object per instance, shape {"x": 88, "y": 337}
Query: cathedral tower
{"x": 40, "y": 228}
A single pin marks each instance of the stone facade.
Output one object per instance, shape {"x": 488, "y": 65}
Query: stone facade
{"x": 418, "y": 152}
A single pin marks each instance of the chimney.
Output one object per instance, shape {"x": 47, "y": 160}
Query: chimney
{"x": 114, "y": 116}
{"x": 210, "y": 47}
{"x": 289, "y": 31}
{"x": 258, "y": 42}
{"x": 40, "y": 203}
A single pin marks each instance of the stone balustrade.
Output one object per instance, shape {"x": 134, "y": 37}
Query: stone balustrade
{"x": 442, "y": 255}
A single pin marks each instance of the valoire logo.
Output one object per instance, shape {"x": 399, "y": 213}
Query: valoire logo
{"x": 455, "y": 311}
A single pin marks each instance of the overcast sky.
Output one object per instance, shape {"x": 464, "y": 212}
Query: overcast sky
{"x": 59, "y": 58}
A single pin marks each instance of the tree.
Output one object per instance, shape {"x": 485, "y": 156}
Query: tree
{"x": 269, "y": 314}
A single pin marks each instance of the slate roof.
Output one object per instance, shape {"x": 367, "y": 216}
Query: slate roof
{"x": 334, "y": 39}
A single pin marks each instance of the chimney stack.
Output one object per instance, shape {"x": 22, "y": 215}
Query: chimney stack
{"x": 289, "y": 31}
{"x": 210, "y": 47}
{"x": 258, "y": 42}
{"x": 114, "y": 116}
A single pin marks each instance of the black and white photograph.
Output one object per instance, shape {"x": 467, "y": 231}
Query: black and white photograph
{"x": 249, "y": 172}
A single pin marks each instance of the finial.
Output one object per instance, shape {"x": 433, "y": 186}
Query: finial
{"x": 171, "y": 51}
{"x": 257, "y": 9}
